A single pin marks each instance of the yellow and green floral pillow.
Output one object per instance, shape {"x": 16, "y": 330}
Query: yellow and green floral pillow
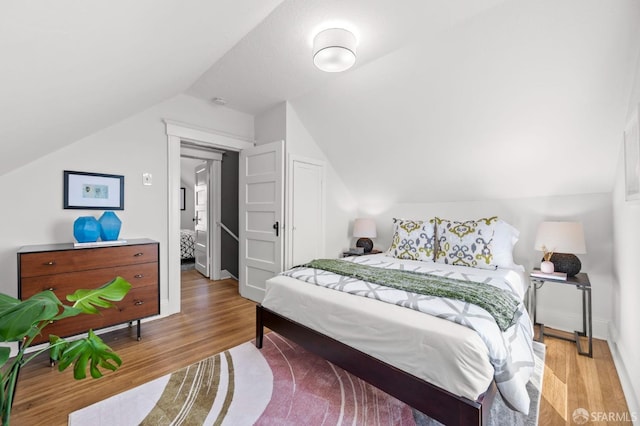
{"x": 466, "y": 243}
{"x": 413, "y": 239}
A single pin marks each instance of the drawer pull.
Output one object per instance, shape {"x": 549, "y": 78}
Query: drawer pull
{"x": 139, "y": 302}
{"x": 138, "y": 276}
{"x": 50, "y": 263}
{"x": 138, "y": 254}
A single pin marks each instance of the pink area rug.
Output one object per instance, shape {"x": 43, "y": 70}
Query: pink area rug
{"x": 309, "y": 390}
{"x": 281, "y": 384}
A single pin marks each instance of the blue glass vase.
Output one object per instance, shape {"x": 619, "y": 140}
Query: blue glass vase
{"x": 109, "y": 226}
{"x": 86, "y": 229}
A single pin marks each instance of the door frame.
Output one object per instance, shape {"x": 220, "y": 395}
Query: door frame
{"x": 176, "y": 133}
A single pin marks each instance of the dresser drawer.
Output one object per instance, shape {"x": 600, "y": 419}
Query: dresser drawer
{"x": 145, "y": 274}
{"x": 56, "y": 262}
{"x": 139, "y": 303}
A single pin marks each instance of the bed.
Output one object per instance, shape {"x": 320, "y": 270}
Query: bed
{"x": 437, "y": 366}
{"x": 187, "y": 244}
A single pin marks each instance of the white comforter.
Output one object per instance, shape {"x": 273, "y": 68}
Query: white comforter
{"x": 450, "y": 356}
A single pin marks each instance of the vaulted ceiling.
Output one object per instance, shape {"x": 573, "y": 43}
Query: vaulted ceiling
{"x": 448, "y": 100}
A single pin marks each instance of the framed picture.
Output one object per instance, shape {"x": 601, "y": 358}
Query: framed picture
{"x": 183, "y": 204}
{"x": 93, "y": 191}
{"x": 632, "y": 157}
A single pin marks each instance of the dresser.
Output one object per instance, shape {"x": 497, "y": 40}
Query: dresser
{"x": 64, "y": 268}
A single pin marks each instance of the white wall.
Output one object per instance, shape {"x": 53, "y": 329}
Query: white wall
{"x": 282, "y": 122}
{"x": 271, "y": 125}
{"x": 558, "y": 306}
{"x": 626, "y": 285}
{"x": 32, "y": 195}
{"x": 340, "y": 206}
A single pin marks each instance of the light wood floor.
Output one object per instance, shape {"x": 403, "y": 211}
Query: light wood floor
{"x": 216, "y": 318}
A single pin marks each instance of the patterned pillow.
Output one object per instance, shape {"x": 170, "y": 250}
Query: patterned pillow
{"x": 466, "y": 243}
{"x": 413, "y": 239}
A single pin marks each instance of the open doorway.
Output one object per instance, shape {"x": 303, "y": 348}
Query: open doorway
{"x": 177, "y": 133}
{"x": 209, "y": 221}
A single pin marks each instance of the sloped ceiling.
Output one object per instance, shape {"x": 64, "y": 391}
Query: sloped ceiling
{"x": 449, "y": 99}
{"x": 70, "y": 68}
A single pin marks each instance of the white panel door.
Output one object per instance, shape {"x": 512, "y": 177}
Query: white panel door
{"x": 261, "y": 189}
{"x": 202, "y": 219}
{"x": 305, "y": 212}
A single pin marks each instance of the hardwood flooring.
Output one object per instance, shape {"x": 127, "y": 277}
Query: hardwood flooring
{"x": 216, "y": 318}
{"x": 572, "y": 381}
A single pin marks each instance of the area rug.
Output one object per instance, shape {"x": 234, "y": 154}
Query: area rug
{"x": 281, "y": 384}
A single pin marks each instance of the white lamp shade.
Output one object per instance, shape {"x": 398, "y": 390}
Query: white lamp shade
{"x": 561, "y": 237}
{"x": 364, "y": 228}
{"x": 334, "y": 50}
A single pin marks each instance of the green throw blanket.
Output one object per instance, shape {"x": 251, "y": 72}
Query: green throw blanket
{"x": 500, "y": 304}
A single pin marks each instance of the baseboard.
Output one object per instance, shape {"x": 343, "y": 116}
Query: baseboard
{"x": 625, "y": 380}
{"x": 225, "y": 275}
{"x": 40, "y": 346}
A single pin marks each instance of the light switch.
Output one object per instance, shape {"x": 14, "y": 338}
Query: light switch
{"x": 147, "y": 179}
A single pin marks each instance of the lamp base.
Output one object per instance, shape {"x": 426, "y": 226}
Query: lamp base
{"x": 566, "y": 262}
{"x": 366, "y": 244}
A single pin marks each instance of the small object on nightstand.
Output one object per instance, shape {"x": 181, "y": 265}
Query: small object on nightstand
{"x": 558, "y": 276}
{"x": 546, "y": 267}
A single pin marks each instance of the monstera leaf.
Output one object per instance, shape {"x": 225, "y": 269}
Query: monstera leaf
{"x": 89, "y": 300}
{"x": 20, "y": 318}
{"x": 21, "y": 321}
{"x": 91, "y": 351}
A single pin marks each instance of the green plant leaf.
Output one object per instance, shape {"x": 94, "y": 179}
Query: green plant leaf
{"x": 18, "y": 319}
{"x": 5, "y": 351}
{"x": 89, "y": 300}
{"x": 90, "y": 351}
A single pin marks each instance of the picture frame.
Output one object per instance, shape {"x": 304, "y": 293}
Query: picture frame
{"x": 183, "y": 204}
{"x": 93, "y": 191}
{"x": 632, "y": 157}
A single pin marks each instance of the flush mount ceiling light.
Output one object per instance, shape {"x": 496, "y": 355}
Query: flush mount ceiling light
{"x": 334, "y": 50}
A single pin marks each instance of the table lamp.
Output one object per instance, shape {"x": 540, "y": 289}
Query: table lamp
{"x": 364, "y": 230}
{"x": 559, "y": 241}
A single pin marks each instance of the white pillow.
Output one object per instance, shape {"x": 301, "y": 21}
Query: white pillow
{"x": 505, "y": 238}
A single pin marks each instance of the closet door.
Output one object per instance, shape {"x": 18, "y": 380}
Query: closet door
{"x": 305, "y": 210}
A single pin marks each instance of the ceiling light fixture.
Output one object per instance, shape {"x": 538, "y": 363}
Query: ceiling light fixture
{"x": 334, "y": 50}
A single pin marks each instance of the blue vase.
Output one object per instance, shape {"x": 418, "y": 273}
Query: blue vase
{"x": 109, "y": 226}
{"x": 86, "y": 229}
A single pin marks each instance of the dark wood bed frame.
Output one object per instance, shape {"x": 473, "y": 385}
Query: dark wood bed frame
{"x": 429, "y": 399}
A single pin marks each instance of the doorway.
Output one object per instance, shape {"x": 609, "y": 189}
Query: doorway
{"x": 210, "y": 219}
{"x": 176, "y": 134}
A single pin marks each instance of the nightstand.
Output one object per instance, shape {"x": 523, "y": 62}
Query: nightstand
{"x": 582, "y": 283}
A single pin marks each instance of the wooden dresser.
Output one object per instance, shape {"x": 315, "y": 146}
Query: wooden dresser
{"x": 64, "y": 269}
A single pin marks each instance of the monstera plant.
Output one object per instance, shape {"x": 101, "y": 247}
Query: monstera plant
{"x": 22, "y": 321}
